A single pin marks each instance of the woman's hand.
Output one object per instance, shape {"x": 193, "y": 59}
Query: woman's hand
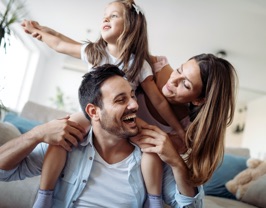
{"x": 61, "y": 132}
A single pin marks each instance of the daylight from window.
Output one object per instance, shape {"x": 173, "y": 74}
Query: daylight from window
{"x": 13, "y": 65}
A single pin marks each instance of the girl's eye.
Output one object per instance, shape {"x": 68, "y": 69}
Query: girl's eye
{"x": 113, "y": 16}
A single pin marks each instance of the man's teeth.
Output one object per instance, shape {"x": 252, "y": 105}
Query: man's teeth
{"x": 129, "y": 117}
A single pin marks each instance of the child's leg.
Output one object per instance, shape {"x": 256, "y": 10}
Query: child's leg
{"x": 152, "y": 171}
{"x": 54, "y": 162}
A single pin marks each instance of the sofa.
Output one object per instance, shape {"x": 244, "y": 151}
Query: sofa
{"x": 22, "y": 193}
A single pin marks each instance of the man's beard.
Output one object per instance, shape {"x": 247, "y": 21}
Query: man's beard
{"x": 112, "y": 127}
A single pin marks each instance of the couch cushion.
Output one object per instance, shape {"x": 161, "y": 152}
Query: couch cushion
{"x": 230, "y": 167}
{"x": 19, "y": 194}
{"x": 21, "y": 123}
{"x": 8, "y": 131}
{"x": 35, "y": 111}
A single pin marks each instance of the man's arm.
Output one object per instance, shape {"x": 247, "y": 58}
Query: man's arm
{"x": 61, "y": 132}
{"x": 52, "y": 38}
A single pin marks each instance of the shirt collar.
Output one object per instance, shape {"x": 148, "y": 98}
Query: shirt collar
{"x": 88, "y": 139}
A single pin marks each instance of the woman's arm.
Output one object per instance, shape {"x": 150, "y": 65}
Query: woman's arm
{"x": 52, "y": 38}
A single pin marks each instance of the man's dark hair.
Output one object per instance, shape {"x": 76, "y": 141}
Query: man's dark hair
{"x": 90, "y": 88}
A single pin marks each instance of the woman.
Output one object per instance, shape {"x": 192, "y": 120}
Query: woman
{"x": 203, "y": 91}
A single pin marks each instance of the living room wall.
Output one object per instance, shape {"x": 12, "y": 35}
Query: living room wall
{"x": 254, "y": 136}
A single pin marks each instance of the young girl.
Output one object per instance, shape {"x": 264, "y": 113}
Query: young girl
{"x": 123, "y": 42}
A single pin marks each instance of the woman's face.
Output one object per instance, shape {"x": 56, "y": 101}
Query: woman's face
{"x": 184, "y": 84}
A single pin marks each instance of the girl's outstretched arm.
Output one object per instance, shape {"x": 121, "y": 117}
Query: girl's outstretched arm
{"x": 52, "y": 38}
{"x": 161, "y": 105}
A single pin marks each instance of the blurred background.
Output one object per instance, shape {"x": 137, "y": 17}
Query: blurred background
{"x": 177, "y": 29}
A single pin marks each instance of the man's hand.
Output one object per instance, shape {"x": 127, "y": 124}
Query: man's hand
{"x": 61, "y": 132}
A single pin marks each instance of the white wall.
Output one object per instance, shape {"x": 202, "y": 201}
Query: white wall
{"x": 52, "y": 74}
{"x": 254, "y": 136}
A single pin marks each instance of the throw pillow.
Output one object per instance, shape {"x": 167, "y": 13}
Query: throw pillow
{"x": 249, "y": 185}
{"x": 21, "y": 123}
{"x": 256, "y": 192}
{"x": 227, "y": 170}
{"x": 8, "y": 131}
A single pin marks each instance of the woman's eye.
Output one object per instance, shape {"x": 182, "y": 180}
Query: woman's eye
{"x": 178, "y": 70}
{"x": 185, "y": 85}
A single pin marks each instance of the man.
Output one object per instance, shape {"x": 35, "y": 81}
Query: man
{"x": 104, "y": 170}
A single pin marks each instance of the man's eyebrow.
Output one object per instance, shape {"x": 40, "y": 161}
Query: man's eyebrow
{"x": 119, "y": 95}
{"x": 124, "y": 94}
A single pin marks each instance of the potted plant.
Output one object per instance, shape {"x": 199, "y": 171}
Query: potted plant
{"x": 13, "y": 13}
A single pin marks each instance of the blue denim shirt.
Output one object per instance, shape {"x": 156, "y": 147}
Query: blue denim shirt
{"x": 77, "y": 171}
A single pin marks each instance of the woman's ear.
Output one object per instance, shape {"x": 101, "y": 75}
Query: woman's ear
{"x": 198, "y": 102}
{"x": 92, "y": 111}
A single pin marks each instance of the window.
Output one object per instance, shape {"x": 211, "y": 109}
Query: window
{"x": 12, "y": 72}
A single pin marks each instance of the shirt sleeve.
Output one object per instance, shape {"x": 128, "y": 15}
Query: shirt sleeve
{"x": 83, "y": 54}
{"x": 161, "y": 62}
{"x": 146, "y": 71}
{"x": 174, "y": 198}
{"x": 29, "y": 167}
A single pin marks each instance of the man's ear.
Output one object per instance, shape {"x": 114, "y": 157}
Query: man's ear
{"x": 92, "y": 111}
{"x": 198, "y": 101}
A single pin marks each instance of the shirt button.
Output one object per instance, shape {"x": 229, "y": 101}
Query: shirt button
{"x": 62, "y": 175}
{"x": 90, "y": 158}
{"x": 84, "y": 181}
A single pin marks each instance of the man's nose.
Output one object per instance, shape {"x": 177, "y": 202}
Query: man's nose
{"x": 133, "y": 104}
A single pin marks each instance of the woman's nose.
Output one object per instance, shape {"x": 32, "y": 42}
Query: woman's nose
{"x": 175, "y": 78}
{"x": 174, "y": 81}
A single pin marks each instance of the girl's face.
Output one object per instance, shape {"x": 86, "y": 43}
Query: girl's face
{"x": 184, "y": 84}
{"x": 113, "y": 22}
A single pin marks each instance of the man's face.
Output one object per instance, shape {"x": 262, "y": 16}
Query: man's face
{"x": 118, "y": 115}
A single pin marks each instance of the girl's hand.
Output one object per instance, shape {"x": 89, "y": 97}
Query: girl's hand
{"x": 159, "y": 143}
{"x": 178, "y": 143}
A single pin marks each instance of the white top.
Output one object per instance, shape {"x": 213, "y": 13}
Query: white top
{"x": 102, "y": 177}
{"x": 146, "y": 69}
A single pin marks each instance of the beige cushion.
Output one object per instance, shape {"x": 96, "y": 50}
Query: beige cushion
{"x": 8, "y": 131}
{"x": 219, "y": 202}
{"x": 256, "y": 193}
{"x": 37, "y": 112}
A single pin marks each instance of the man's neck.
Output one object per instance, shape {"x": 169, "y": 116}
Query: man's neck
{"x": 112, "y": 149}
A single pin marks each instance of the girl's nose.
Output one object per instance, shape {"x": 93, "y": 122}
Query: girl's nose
{"x": 106, "y": 19}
